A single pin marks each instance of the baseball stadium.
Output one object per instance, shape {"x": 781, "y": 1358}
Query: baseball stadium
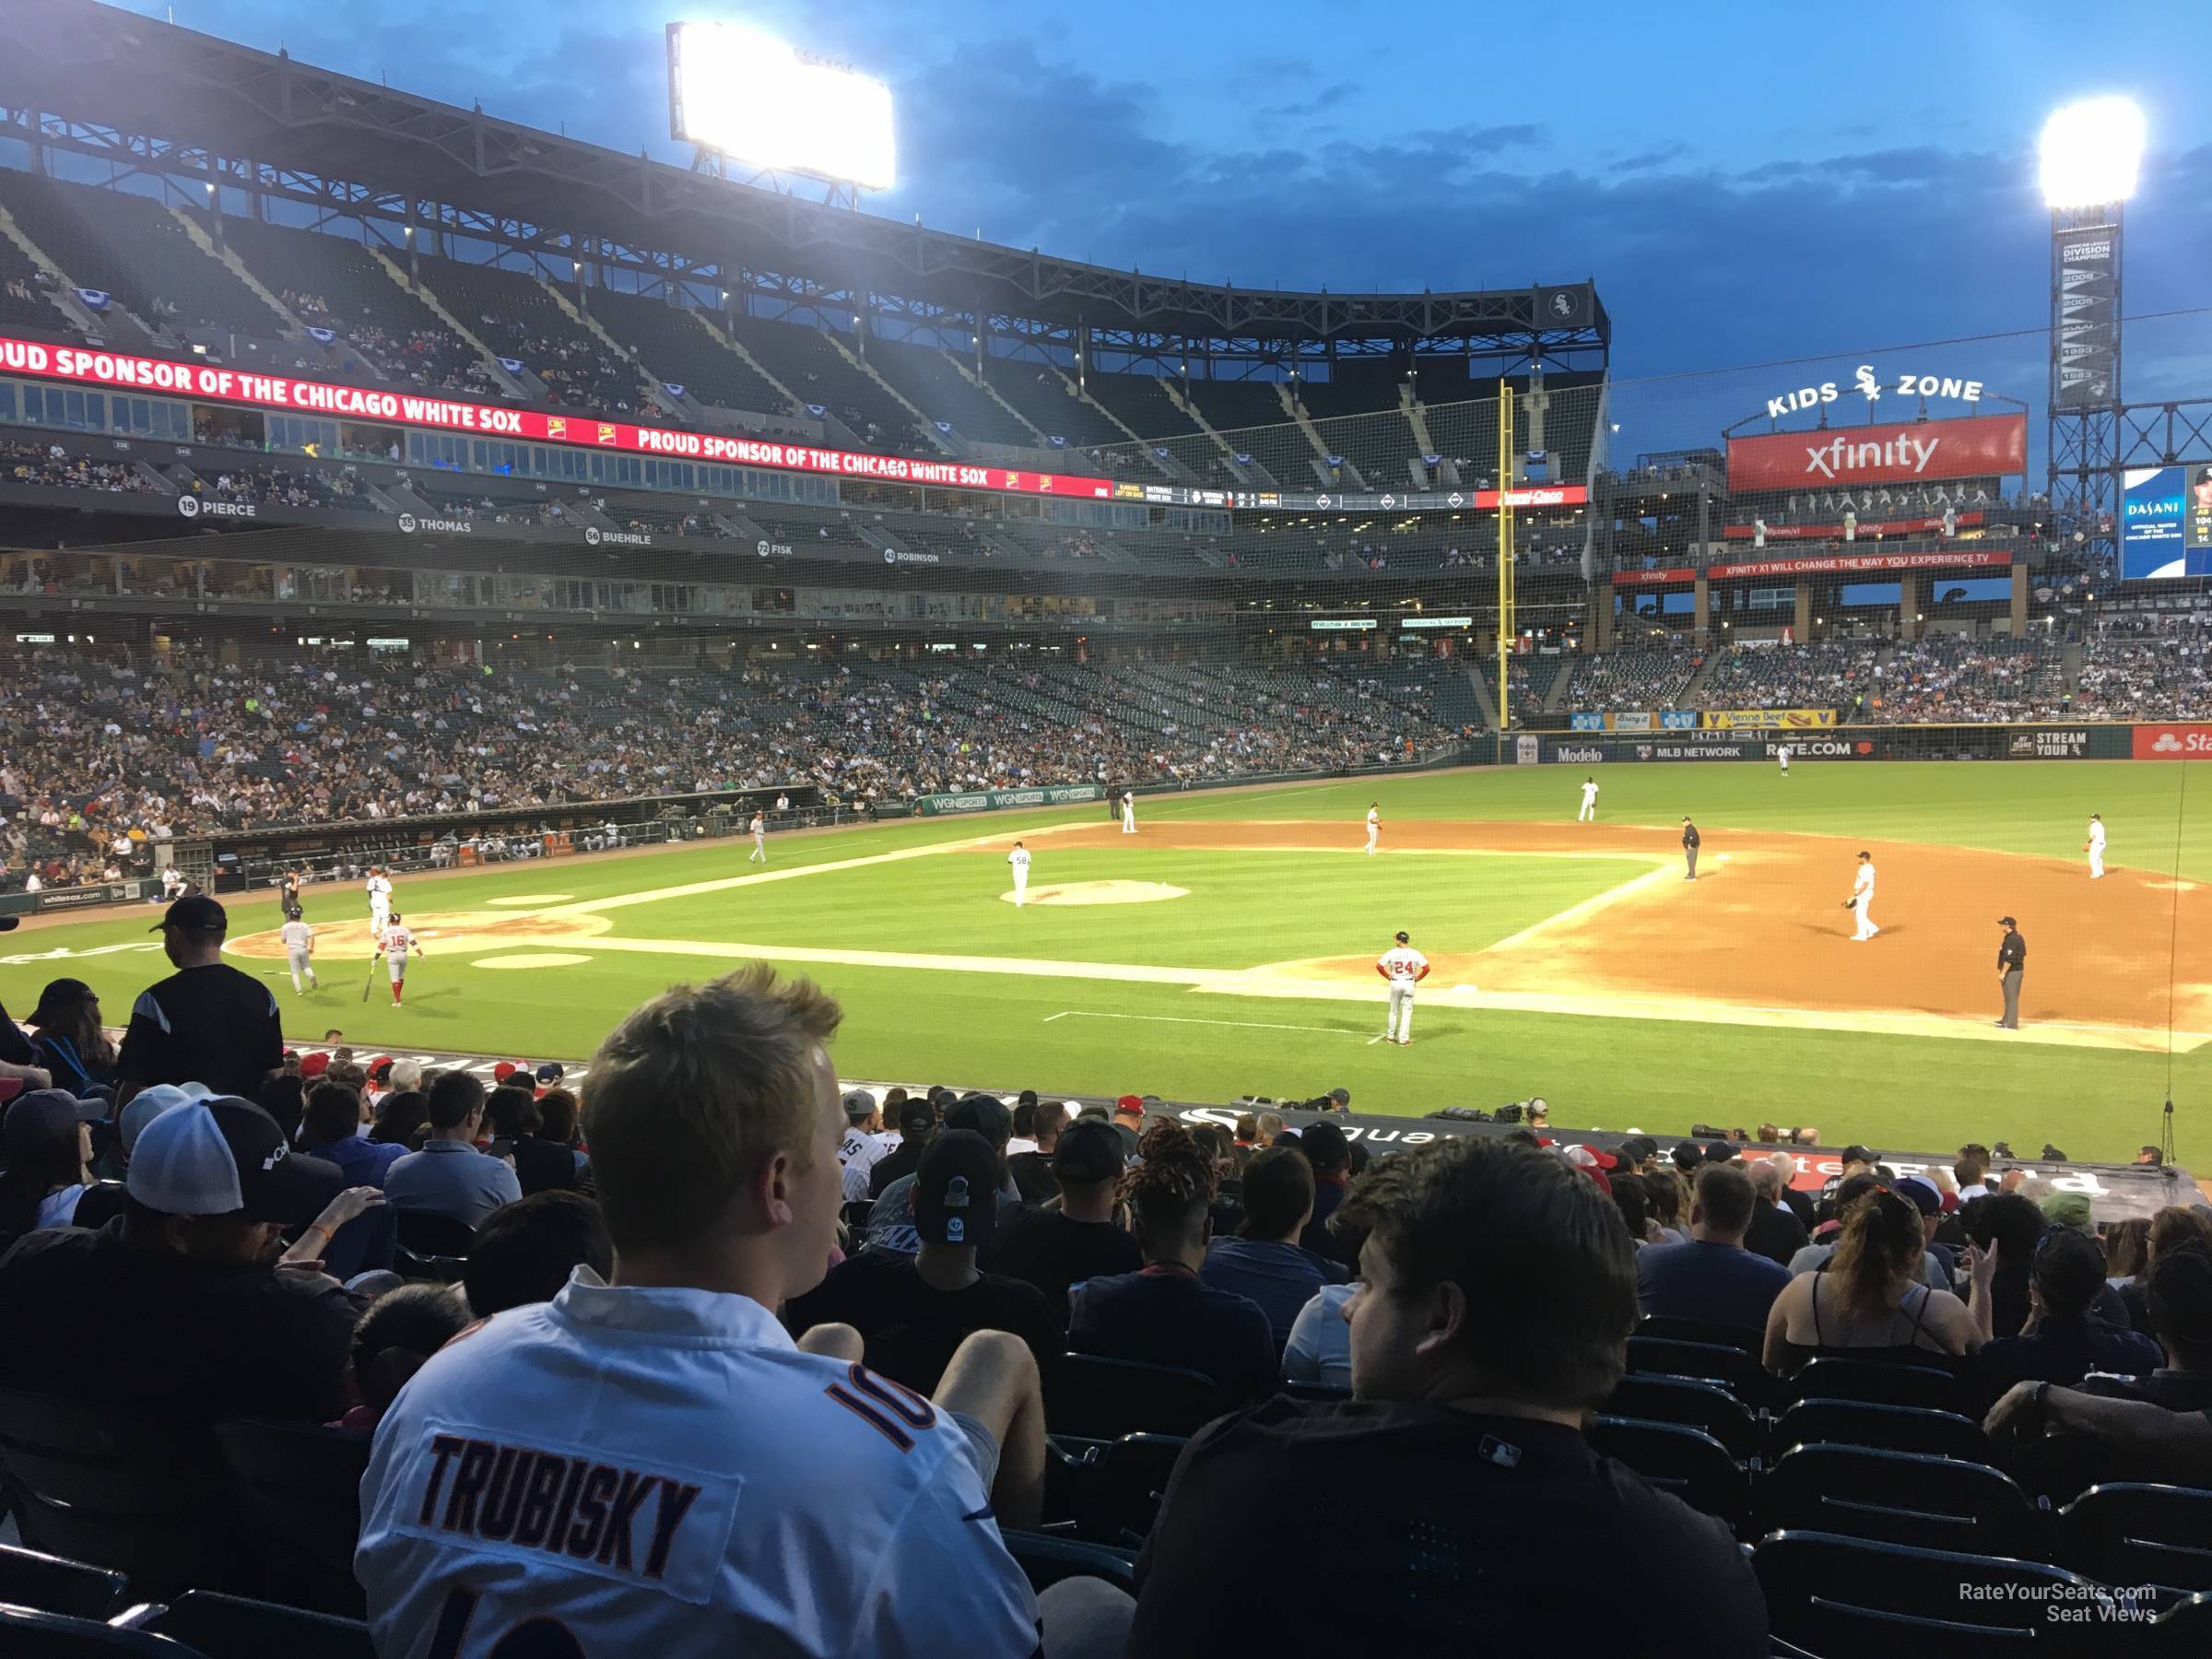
{"x": 512, "y": 579}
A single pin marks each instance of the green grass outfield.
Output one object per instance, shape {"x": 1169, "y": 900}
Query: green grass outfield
{"x": 1057, "y": 1032}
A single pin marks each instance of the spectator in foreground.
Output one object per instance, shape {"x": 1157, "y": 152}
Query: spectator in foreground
{"x": 917, "y": 1123}
{"x": 207, "y": 1022}
{"x": 331, "y": 1128}
{"x": 1498, "y": 1290}
{"x": 1059, "y": 1246}
{"x": 449, "y": 1177}
{"x": 1870, "y": 1300}
{"x": 518, "y": 1122}
{"x": 2181, "y": 1318}
{"x": 403, "y": 1118}
{"x": 2008, "y": 1226}
{"x": 1848, "y": 1192}
{"x": 48, "y": 1136}
{"x": 870, "y": 1514}
{"x": 398, "y": 1333}
{"x": 2060, "y": 1342}
{"x": 1162, "y": 1315}
{"x": 2170, "y": 1226}
{"x": 526, "y": 1251}
{"x": 912, "y": 1310}
{"x": 70, "y": 1040}
{"x": 1713, "y": 1278}
{"x": 1331, "y": 1155}
{"x": 1263, "y": 1263}
{"x": 195, "y": 1322}
{"x": 1032, "y": 1170}
{"x": 891, "y": 1218}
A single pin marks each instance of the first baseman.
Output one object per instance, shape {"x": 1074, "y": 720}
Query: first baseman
{"x": 1404, "y": 968}
{"x": 1019, "y": 860}
{"x": 1588, "y": 814}
{"x": 1374, "y": 823}
{"x": 2094, "y": 847}
{"x": 1861, "y": 900}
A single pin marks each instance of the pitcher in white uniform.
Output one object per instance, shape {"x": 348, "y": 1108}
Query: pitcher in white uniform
{"x": 380, "y": 899}
{"x": 1374, "y": 824}
{"x": 1018, "y": 860}
{"x": 299, "y": 952}
{"x": 1588, "y": 814}
{"x": 1861, "y": 896}
{"x": 1129, "y": 812}
{"x": 2094, "y": 847}
{"x": 1404, "y": 968}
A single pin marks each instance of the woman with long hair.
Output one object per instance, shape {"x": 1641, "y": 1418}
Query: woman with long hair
{"x": 48, "y": 1136}
{"x": 1869, "y": 1300}
{"x": 70, "y": 1041}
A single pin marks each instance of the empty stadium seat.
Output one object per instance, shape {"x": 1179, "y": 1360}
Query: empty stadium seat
{"x": 1740, "y": 1373}
{"x": 1832, "y": 1594}
{"x": 300, "y": 1490}
{"x": 2130, "y": 1533}
{"x": 1320, "y": 1393}
{"x": 426, "y": 1233}
{"x": 1899, "y": 1497}
{"x": 230, "y": 1627}
{"x": 1891, "y": 1428}
{"x": 1701, "y": 1330}
{"x": 27, "y": 1634}
{"x": 1691, "y": 1403}
{"x": 1047, "y": 1559}
{"x": 1882, "y": 1382}
{"x": 1132, "y": 1477}
{"x": 1104, "y": 1399}
{"x": 1676, "y": 1458}
{"x": 123, "y": 1491}
{"x": 52, "y": 1584}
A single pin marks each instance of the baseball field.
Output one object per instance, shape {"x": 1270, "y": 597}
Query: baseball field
{"x": 1228, "y": 948}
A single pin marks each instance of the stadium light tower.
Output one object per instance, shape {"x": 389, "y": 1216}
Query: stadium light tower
{"x": 2090, "y": 155}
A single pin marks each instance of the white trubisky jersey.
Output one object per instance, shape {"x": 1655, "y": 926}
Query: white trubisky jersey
{"x": 1019, "y": 859}
{"x": 297, "y": 937}
{"x": 2097, "y": 834}
{"x": 663, "y": 1473}
{"x": 1402, "y": 963}
{"x": 1863, "y": 884}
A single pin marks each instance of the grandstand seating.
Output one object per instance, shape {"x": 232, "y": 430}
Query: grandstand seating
{"x": 1821, "y": 675}
{"x": 1632, "y": 677}
{"x": 1954, "y": 677}
{"x": 517, "y": 316}
{"x": 804, "y": 359}
{"x": 1041, "y": 395}
{"x": 2146, "y": 667}
{"x": 932, "y": 384}
{"x": 1359, "y": 418}
{"x": 675, "y": 346}
{"x": 24, "y": 293}
{"x": 1248, "y": 416}
{"x": 1141, "y": 402}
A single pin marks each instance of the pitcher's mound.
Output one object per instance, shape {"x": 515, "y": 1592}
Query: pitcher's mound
{"x": 1103, "y": 892}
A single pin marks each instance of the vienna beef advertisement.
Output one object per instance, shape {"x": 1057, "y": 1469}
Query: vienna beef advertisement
{"x": 1977, "y": 446}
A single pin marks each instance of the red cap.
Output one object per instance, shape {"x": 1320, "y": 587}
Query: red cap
{"x": 314, "y": 1065}
{"x": 379, "y": 1065}
{"x": 504, "y": 1070}
{"x": 1130, "y": 1103}
{"x": 1605, "y": 1159}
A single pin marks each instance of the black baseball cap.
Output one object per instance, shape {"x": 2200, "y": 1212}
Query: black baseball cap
{"x": 955, "y": 1190}
{"x": 1855, "y": 1153}
{"x": 917, "y": 1113}
{"x": 224, "y": 1156}
{"x": 196, "y": 914}
{"x": 1088, "y": 1151}
{"x": 987, "y": 1114}
{"x": 46, "y": 1114}
{"x": 2007, "y": 922}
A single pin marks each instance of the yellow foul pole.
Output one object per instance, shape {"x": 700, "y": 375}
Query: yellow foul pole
{"x": 1507, "y": 628}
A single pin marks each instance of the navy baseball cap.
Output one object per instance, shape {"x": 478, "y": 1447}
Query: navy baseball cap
{"x": 1088, "y": 1151}
{"x": 955, "y": 1190}
{"x": 194, "y": 913}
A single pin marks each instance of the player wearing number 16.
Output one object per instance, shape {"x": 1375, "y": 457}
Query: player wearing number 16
{"x": 655, "y": 1467}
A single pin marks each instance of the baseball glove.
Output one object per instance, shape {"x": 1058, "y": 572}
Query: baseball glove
{"x": 1851, "y": 903}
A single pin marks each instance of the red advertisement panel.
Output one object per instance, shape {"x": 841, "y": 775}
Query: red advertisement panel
{"x": 1534, "y": 495}
{"x": 1912, "y": 526}
{"x": 1855, "y": 564}
{"x": 220, "y": 383}
{"x": 1978, "y": 446}
{"x": 1669, "y": 577}
{"x": 2173, "y": 742}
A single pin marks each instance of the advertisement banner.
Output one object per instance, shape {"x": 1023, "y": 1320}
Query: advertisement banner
{"x": 114, "y": 893}
{"x": 996, "y": 800}
{"x": 1974, "y": 447}
{"x": 1904, "y": 526}
{"x": 2154, "y": 544}
{"x": 1527, "y": 751}
{"x": 2085, "y": 316}
{"x": 2058, "y": 743}
{"x": 1768, "y": 720}
{"x": 2192, "y": 742}
{"x": 1586, "y": 722}
{"x": 1856, "y": 564}
{"x": 1672, "y": 576}
{"x": 1679, "y": 720}
{"x": 1636, "y": 722}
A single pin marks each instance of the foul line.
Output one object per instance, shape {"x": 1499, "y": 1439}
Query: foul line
{"x": 1661, "y": 869}
{"x": 1243, "y": 1025}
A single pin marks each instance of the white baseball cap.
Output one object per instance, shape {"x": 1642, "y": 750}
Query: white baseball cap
{"x": 224, "y": 1156}
{"x": 145, "y": 1106}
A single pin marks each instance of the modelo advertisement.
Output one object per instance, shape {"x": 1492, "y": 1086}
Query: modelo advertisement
{"x": 2166, "y": 522}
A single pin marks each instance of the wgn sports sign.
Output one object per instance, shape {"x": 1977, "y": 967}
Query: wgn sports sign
{"x": 997, "y": 800}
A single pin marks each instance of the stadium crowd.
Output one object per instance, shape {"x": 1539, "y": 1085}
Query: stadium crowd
{"x": 53, "y": 467}
{"x": 2147, "y": 666}
{"x": 1406, "y": 1347}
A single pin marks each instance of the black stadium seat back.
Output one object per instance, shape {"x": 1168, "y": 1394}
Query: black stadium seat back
{"x": 299, "y": 1489}
{"x": 1048, "y": 1559}
{"x": 1932, "y": 1387}
{"x": 1899, "y": 1497}
{"x": 1740, "y": 1373}
{"x": 1104, "y": 1399}
{"x": 52, "y": 1584}
{"x": 1676, "y": 1458}
{"x": 1890, "y": 1428}
{"x": 1701, "y": 1330}
{"x": 117, "y": 1490}
{"x": 427, "y": 1233}
{"x": 1690, "y": 1402}
{"x": 2136, "y": 1533}
{"x": 1132, "y": 1479}
{"x": 230, "y": 1627}
{"x": 28, "y": 1634}
{"x": 1318, "y": 1394}
{"x": 2185, "y": 1629}
{"x": 1832, "y": 1594}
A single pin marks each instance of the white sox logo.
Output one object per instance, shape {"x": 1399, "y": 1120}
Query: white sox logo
{"x": 1868, "y": 384}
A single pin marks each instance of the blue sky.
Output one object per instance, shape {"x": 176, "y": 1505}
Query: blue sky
{"x": 1746, "y": 182}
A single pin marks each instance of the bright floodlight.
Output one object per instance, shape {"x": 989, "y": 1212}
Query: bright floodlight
{"x": 2091, "y": 151}
{"x": 757, "y": 101}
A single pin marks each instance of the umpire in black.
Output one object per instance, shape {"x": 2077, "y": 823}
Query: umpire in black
{"x": 1690, "y": 844}
{"x": 2012, "y": 961}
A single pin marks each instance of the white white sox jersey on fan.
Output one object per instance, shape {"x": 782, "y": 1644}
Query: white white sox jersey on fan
{"x": 663, "y": 1475}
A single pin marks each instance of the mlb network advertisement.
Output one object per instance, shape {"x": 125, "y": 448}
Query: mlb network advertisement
{"x": 1978, "y": 446}
{"x": 2167, "y": 527}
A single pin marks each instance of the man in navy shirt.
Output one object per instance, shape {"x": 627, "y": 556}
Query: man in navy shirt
{"x": 2061, "y": 1342}
{"x": 1712, "y": 1278}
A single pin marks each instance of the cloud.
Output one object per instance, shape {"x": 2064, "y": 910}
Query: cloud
{"x": 1327, "y": 99}
{"x": 1659, "y": 155}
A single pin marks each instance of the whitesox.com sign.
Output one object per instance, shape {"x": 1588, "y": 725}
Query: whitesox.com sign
{"x": 1977, "y": 447}
{"x": 2173, "y": 742}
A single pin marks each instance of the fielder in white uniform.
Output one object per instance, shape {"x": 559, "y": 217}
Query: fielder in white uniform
{"x": 1129, "y": 812}
{"x": 1861, "y": 893}
{"x": 1404, "y": 968}
{"x": 760, "y": 851}
{"x": 398, "y": 943}
{"x": 1019, "y": 860}
{"x": 380, "y": 900}
{"x": 300, "y": 952}
{"x": 1781, "y": 753}
{"x": 2094, "y": 847}
{"x": 655, "y": 1467}
{"x": 1374, "y": 823}
{"x": 1588, "y": 814}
